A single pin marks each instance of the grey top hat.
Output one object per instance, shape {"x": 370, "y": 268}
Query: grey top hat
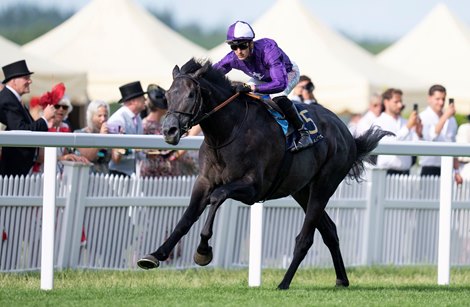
{"x": 15, "y": 70}
{"x": 130, "y": 91}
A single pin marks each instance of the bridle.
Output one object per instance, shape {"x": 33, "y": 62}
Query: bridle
{"x": 196, "y": 115}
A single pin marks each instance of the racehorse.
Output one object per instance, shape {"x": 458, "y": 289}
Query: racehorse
{"x": 240, "y": 158}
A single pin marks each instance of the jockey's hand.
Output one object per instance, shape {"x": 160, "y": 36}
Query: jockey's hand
{"x": 243, "y": 88}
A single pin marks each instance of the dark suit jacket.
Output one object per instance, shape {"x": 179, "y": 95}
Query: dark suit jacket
{"x": 17, "y": 160}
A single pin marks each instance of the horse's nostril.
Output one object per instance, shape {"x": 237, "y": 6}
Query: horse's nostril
{"x": 172, "y": 131}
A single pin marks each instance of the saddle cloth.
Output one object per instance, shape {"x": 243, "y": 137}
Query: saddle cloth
{"x": 291, "y": 133}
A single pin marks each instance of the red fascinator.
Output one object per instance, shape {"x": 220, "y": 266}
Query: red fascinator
{"x": 53, "y": 97}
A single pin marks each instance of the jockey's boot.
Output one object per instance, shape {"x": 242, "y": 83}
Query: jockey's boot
{"x": 293, "y": 117}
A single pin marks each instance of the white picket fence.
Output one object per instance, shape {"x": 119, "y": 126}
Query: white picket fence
{"x": 110, "y": 222}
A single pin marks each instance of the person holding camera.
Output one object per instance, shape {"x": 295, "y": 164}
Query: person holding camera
{"x": 439, "y": 125}
{"x": 303, "y": 91}
{"x": 96, "y": 116}
{"x": 404, "y": 130}
{"x": 271, "y": 72}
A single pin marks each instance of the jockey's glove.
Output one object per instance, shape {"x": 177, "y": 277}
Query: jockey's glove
{"x": 243, "y": 88}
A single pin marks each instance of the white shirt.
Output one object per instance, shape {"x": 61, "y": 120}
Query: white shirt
{"x": 397, "y": 126}
{"x": 124, "y": 118}
{"x": 429, "y": 118}
{"x": 463, "y": 136}
{"x": 365, "y": 123}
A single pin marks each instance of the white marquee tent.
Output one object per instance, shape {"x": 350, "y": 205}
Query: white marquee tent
{"x": 437, "y": 50}
{"x": 46, "y": 73}
{"x": 116, "y": 42}
{"x": 344, "y": 74}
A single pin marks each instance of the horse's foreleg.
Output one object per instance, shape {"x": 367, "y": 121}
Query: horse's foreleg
{"x": 327, "y": 229}
{"x": 196, "y": 206}
{"x": 203, "y": 255}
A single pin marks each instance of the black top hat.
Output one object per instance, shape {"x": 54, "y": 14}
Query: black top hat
{"x": 131, "y": 90}
{"x": 15, "y": 70}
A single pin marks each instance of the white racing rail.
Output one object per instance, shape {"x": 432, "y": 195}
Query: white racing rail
{"x": 77, "y": 140}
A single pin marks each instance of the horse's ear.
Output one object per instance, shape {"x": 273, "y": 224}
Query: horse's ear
{"x": 202, "y": 70}
{"x": 176, "y": 71}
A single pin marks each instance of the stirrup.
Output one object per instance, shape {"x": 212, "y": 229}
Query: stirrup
{"x": 298, "y": 145}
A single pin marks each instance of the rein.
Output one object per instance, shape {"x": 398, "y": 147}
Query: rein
{"x": 217, "y": 108}
{"x": 194, "y": 115}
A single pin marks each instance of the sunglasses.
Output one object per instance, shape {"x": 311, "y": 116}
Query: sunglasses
{"x": 58, "y": 106}
{"x": 241, "y": 46}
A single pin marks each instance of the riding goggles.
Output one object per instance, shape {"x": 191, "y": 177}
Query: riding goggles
{"x": 241, "y": 46}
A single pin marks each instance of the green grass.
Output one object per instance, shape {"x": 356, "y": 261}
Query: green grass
{"x": 376, "y": 286}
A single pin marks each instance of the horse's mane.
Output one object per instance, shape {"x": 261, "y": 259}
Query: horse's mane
{"x": 214, "y": 76}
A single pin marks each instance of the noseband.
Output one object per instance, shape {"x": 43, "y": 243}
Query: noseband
{"x": 197, "y": 108}
{"x": 196, "y": 116}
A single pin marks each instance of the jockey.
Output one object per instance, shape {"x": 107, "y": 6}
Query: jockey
{"x": 271, "y": 72}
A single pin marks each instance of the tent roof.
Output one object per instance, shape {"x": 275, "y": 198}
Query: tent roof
{"x": 344, "y": 74}
{"x": 437, "y": 51}
{"x": 46, "y": 73}
{"x": 116, "y": 42}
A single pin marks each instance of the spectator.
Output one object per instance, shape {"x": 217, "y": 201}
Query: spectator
{"x": 391, "y": 120}
{"x": 438, "y": 126}
{"x": 127, "y": 120}
{"x": 163, "y": 162}
{"x": 303, "y": 91}
{"x": 63, "y": 107}
{"x": 463, "y": 136}
{"x": 97, "y": 115}
{"x": 366, "y": 121}
{"x": 353, "y": 121}
{"x": 14, "y": 115}
{"x": 271, "y": 72}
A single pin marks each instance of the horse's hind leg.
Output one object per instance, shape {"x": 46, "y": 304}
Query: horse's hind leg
{"x": 304, "y": 239}
{"x": 327, "y": 229}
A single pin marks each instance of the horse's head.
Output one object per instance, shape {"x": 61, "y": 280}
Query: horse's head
{"x": 185, "y": 103}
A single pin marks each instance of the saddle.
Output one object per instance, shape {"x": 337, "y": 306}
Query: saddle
{"x": 290, "y": 133}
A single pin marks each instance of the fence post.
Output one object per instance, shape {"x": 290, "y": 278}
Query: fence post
{"x": 445, "y": 213}
{"x": 71, "y": 175}
{"x": 373, "y": 216}
{"x": 256, "y": 240}
{"x": 80, "y": 200}
{"x": 48, "y": 219}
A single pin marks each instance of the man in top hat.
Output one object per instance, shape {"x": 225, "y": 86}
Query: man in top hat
{"x": 14, "y": 115}
{"x": 127, "y": 120}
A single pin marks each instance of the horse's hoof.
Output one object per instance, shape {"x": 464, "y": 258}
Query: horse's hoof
{"x": 203, "y": 260}
{"x": 342, "y": 283}
{"x": 283, "y": 287}
{"x": 148, "y": 262}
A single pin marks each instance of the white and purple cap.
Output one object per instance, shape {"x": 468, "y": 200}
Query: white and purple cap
{"x": 240, "y": 31}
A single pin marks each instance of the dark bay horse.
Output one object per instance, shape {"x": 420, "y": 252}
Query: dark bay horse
{"x": 240, "y": 158}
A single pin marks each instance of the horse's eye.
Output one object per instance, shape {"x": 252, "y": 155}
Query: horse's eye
{"x": 191, "y": 94}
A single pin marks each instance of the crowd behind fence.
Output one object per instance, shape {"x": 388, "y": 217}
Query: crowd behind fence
{"x": 107, "y": 222}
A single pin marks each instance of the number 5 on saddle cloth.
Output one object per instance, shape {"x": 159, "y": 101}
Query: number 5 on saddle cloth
{"x": 291, "y": 133}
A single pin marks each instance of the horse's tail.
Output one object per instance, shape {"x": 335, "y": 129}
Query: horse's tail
{"x": 364, "y": 145}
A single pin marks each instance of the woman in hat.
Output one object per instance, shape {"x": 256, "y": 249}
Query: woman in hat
{"x": 163, "y": 162}
{"x": 271, "y": 72}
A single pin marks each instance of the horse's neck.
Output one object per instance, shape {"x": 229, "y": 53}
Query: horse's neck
{"x": 222, "y": 125}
